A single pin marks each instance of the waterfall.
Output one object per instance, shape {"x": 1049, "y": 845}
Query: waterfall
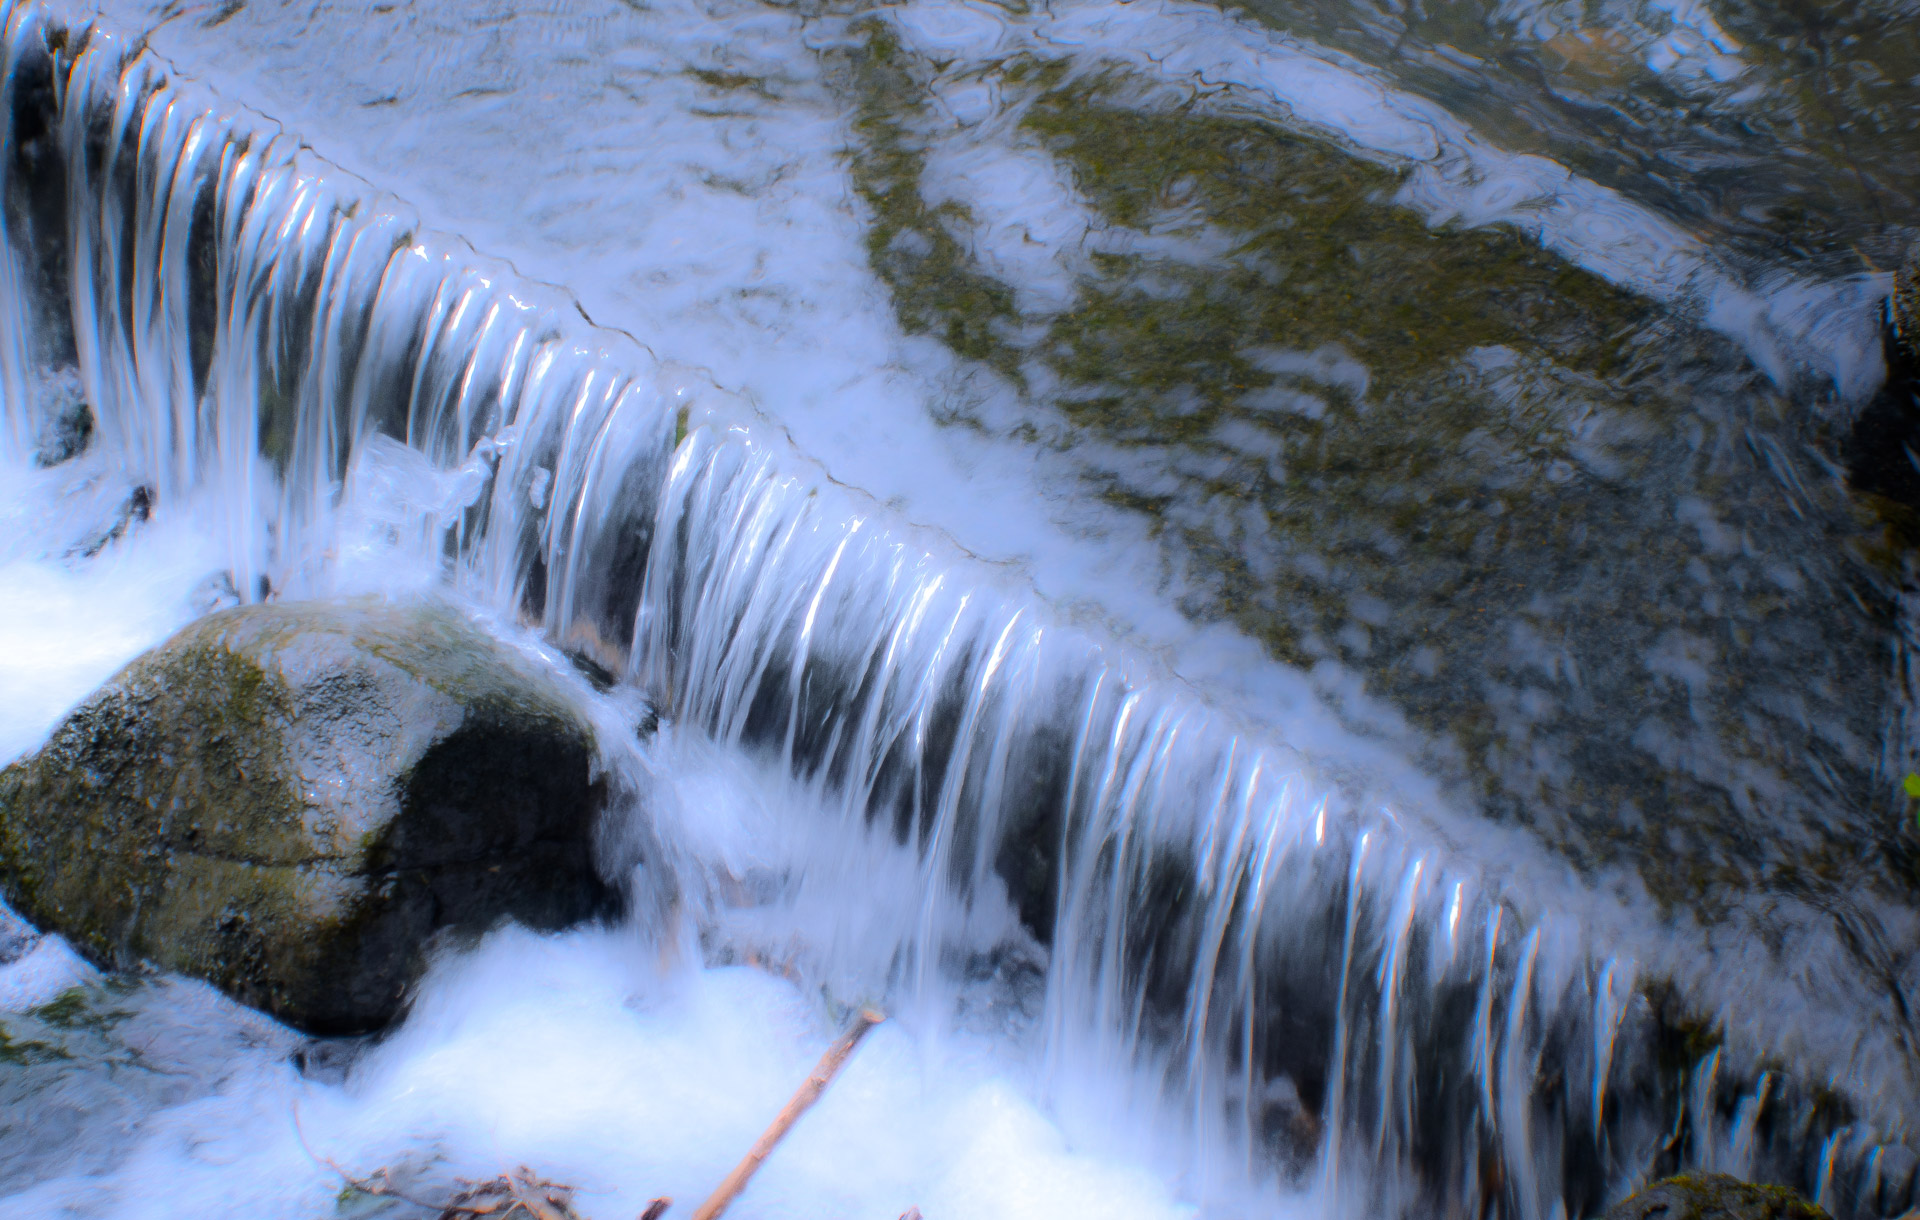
{"x": 1320, "y": 990}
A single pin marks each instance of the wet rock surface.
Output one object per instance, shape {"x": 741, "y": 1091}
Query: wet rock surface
{"x": 78, "y": 1073}
{"x": 291, "y": 801}
{"x": 1714, "y": 1196}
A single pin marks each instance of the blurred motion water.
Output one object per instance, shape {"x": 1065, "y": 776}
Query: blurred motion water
{"x": 1366, "y": 667}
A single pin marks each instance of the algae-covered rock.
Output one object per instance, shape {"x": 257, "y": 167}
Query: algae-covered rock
{"x": 289, "y": 800}
{"x": 1903, "y": 310}
{"x": 1714, "y": 1196}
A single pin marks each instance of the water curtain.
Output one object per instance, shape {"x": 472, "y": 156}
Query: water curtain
{"x": 275, "y": 347}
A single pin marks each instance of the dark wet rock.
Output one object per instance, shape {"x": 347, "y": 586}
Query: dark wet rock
{"x": 65, "y": 430}
{"x": 17, "y": 936}
{"x": 1903, "y": 311}
{"x": 1885, "y": 438}
{"x": 290, "y": 801}
{"x": 597, "y": 675}
{"x": 136, "y": 509}
{"x": 79, "y": 1073}
{"x": 1714, "y": 1196}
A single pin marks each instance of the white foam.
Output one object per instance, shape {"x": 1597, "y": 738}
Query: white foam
{"x": 37, "y": 976}
{"x": 576, "y": 1056}
{"x": 69, "y": 624}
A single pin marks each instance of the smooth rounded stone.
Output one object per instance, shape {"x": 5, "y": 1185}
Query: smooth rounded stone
{"x": 290, "y": 801}
{"x": 1714, "y": 1196}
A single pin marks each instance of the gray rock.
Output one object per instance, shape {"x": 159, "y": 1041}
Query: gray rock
{"x": 290, "y": 801}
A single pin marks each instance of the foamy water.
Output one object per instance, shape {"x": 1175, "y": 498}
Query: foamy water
{"x": 577, "y": 1056}
{"x": 69, "y": 625}
{"x": 608, "y": 1059}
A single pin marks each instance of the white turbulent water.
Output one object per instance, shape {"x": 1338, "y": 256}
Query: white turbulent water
{"x": 610, "y": 1064}
{"x": 853, "y": 670}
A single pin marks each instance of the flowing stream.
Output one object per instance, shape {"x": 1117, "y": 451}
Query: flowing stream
{"x": 1318, "y": 648}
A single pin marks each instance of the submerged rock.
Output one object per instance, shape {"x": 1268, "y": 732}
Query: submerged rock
{"x": 64, "y": 434}
{"x": 290, "y": 800}
{"x": 1714, "y": 1196}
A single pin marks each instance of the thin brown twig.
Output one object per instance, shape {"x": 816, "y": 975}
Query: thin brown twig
{"x": 808, "y": 1093}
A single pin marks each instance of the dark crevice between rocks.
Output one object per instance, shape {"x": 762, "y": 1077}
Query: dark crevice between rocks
{"x": 1882, "y": 451}
{"x": 35, "y": 209}
{"x": 36, "y": 203}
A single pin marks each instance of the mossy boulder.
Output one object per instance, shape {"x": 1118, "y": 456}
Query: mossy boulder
{"x": 290, "y": 801}
{"x": 1714, "y": 1196}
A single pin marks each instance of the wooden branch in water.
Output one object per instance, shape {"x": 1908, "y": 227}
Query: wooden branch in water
{"x": 808, "y": 1093}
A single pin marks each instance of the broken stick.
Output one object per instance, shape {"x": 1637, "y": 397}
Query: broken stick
{"x": 808, "y": 1093}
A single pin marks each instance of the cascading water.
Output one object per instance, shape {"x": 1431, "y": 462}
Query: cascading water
{"x": 1315, "y": 996}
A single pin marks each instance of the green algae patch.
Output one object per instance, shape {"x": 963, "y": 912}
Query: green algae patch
{"x": 937, "y": 287}
{"x": 1320, "y": 253}
{"x": 1714, "y": 1196}
{"x": 90, "y": 1008}
{"x": 74, "y": 1025}
{"x": 20, "y": 1051}
{"x": 731, "y": 82}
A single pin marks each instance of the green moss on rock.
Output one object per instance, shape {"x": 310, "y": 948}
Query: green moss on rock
{"x": 1321, "y": 253}
{"x": 22, "y": 1051}
{"x": 936, "y": 286}
{"x": 1714, "y": 1196}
